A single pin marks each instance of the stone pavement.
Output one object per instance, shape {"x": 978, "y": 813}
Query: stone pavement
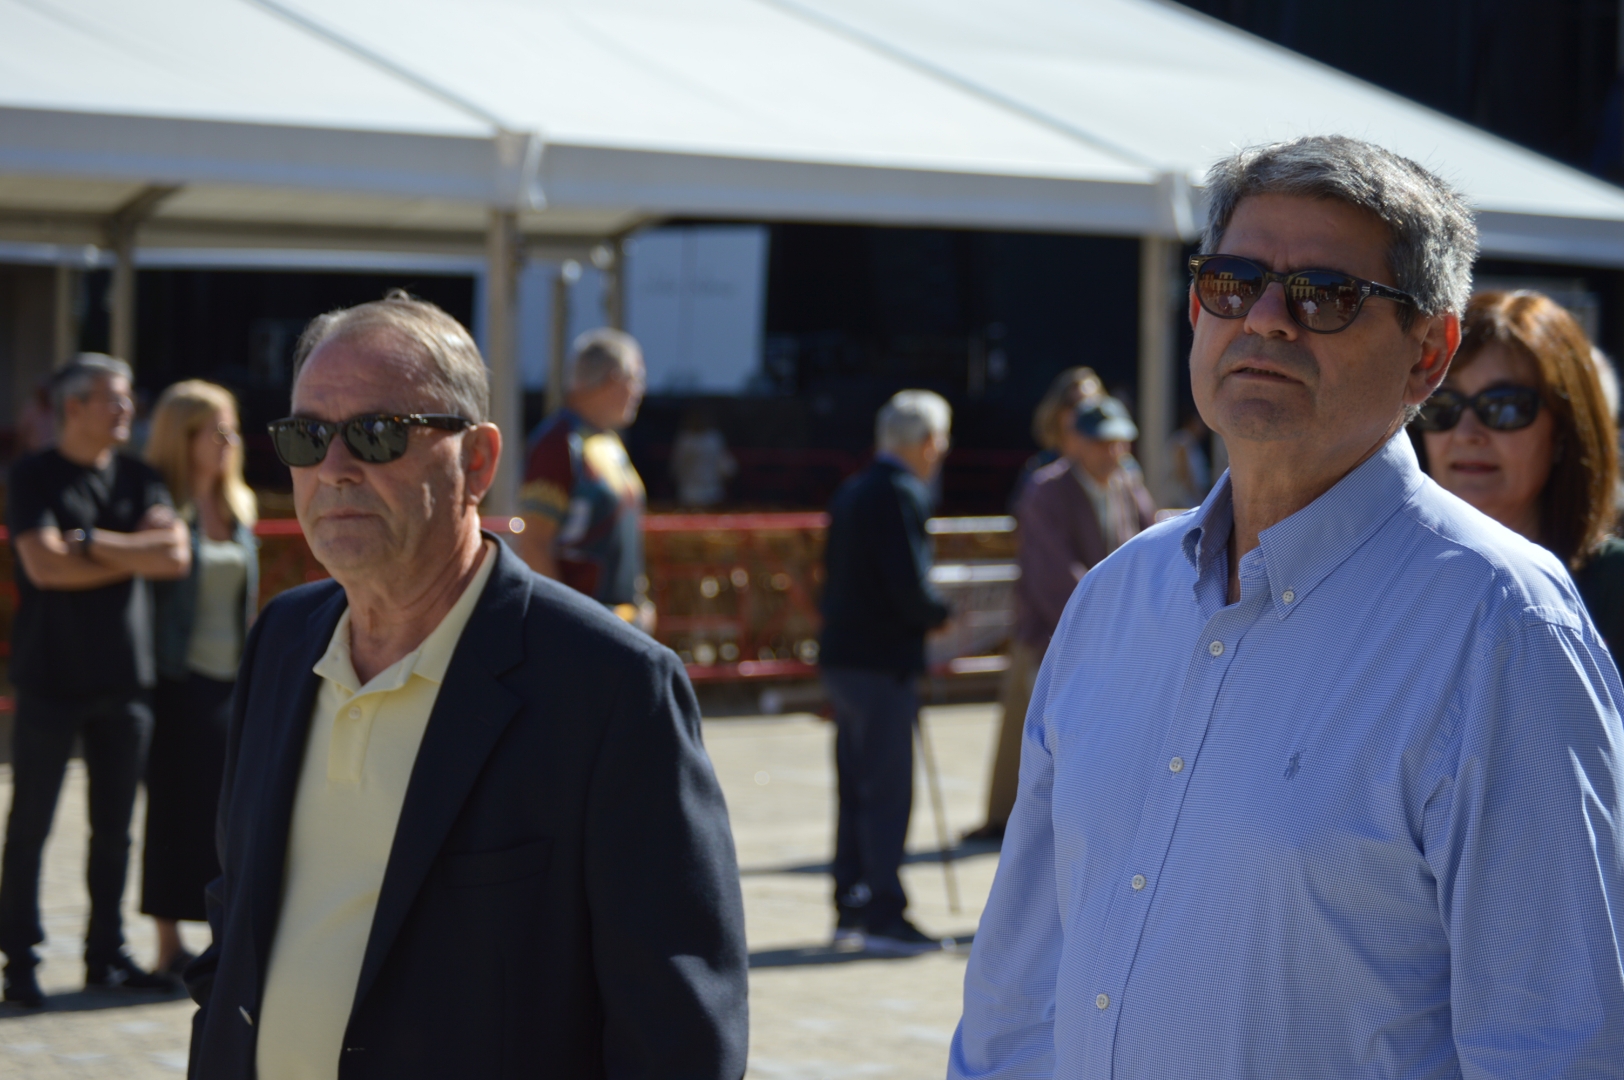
{"x": 816, "y": 1013}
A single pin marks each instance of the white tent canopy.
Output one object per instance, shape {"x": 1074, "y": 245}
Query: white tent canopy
{"x": 420, "y": 115}
{"x": 487, "y": 125}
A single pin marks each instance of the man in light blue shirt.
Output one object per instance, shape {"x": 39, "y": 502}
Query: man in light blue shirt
{"x": 1320, "y": 779}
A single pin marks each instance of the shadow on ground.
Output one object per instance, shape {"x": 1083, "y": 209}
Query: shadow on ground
{"x": 963, "y": 851}
{"x": 92, "y": 1001}
{"x": 816, "y": 955}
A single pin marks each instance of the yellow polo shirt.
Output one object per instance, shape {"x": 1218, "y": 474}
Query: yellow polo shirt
{"x": 363, "y": 743}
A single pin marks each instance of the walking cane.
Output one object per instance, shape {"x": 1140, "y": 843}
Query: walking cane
{"x": 935, "y": 783}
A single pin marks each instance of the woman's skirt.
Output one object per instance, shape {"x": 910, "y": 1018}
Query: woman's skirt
{"x": 184, "y": 768}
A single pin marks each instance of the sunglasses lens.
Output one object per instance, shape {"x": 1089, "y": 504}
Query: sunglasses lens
{"x": 376, "y": 440}
{"x": 1507, "y": 408}
{"x": 1323, "y": 301}
{"x": 1228, "y": 287}
{"x": 1440, "y": 413}
{"x": 300, "y": 445}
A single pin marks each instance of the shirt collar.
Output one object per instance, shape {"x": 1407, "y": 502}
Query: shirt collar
{"x": 1299, "y": 552}
{"x": 429, "y": 660}
{"x": 886, "y": 457}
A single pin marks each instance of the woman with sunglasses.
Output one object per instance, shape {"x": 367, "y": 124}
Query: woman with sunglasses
{"x": 1520, "y": 429}
{"x": 201, "y": 622}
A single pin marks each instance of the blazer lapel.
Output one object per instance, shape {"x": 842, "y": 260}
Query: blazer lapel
{"x": 294, "y": 693}
{"x": 470, "y": 713}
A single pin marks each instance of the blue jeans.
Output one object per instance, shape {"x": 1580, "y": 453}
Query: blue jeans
{"x": 875, "y": 714}
{"x": 115, "y": 729}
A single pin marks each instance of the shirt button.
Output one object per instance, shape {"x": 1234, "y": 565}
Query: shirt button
{"x": 1216, "y": 648}
{"x": 1288, "y": 596}
{"x": 355, "y": 712}
{"x": 1103, "y": 1001}
{"x": 1138, "y": 882}
{"x": 1177, "y": 764}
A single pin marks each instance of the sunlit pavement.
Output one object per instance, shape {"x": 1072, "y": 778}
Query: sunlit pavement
{"x": 815, "y": 1012}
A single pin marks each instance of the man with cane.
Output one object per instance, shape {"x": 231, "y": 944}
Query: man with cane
{"x": 878, "y": 605}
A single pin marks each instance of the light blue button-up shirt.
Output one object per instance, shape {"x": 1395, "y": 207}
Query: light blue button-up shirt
{"x": 1363, "y": 823}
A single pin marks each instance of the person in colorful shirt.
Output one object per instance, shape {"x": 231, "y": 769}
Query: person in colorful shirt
{"x": 582, "y": 501}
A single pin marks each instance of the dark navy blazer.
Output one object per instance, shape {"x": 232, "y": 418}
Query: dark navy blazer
{"x": 562, "y": 897}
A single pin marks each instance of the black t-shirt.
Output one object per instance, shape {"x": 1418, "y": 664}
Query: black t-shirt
{"x": 81, "y": 642}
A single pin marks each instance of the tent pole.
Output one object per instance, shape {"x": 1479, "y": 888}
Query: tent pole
{"x": 1158, "y": 366}
{"x": 121, "y": 229}
{"x": 569, "y": 272}
{"x": 64, "y": 327}
{"x": 507, "y": 402}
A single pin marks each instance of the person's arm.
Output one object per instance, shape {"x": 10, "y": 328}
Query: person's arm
{"x": 903, "y": 550}
{"x": 159, "y": 549}
{"x": 544, "y": 502}
{"x": 670, "y": 959}
{"x": 1050, "y": 563}
{"x": 52, "y": 564}
{"x": 1007, "y": 1028}
{"x": 1523, "y": 828}
{"x": 535, "y": 544}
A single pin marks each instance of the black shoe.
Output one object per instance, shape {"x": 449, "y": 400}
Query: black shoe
{"x": 178, "y": 963}
{"x": 22, "y": 988}
{"x": 122, "y": 973}
{"x": 900, "y": 938}
{"x": 849, "y": 929}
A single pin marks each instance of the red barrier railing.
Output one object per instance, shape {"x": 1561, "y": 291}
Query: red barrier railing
{"x": 736, "y": 593}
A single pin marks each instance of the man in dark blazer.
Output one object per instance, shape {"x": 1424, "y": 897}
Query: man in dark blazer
{"x": 552, "y": 890}
{"x": 878, "y": 606}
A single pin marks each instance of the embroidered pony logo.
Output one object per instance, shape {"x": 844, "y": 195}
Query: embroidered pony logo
{"x": 1294, "y": 764}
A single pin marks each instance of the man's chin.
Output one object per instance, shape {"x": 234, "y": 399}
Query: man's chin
{"x": 1255, "y": 419}
{"x": 348, "y": 543}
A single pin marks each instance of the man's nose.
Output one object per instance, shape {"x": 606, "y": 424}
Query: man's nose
{"x": 340, "y": 466}
{"x": 1269, "y": 316}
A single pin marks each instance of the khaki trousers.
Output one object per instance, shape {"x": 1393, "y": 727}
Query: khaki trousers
{"x": 1015, "y": 696}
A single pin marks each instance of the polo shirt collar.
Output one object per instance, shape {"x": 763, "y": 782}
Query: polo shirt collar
{"x": 429, "y": 660}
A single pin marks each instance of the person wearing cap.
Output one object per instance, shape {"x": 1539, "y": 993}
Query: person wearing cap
{"x": 1072, "y": 513}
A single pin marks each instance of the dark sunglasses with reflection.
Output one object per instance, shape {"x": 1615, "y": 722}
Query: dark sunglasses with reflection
{"x": 1319, "y": 301}
{"x": 1499, "y": 408}
{"x": 375, "y": 438}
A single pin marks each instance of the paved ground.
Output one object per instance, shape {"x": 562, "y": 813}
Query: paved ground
{"x": 815, "y": 1013}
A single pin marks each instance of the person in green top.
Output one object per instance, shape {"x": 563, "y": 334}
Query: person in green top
{"x": 1522, "y": 430}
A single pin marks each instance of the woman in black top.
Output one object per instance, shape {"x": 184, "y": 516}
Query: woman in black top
{"x": 1521, "y": 430}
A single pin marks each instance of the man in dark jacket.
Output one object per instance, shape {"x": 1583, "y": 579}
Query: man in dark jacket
{"x": 878, "y": 605}
{"x": 467, "y": 826}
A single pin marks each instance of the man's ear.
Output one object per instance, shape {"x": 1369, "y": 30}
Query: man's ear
{"x": 1195, "y": 307}
{"x": 482, "y": 452}
{"x": 1439, "y": 340}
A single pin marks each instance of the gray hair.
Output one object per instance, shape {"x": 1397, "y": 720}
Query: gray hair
{"x": 911, "y": 417}
{"x": 1434, "y": 240}
{"x": 600, "y": 355}
{"x": 78, "y": 377}
{"x": 452, "y": 367}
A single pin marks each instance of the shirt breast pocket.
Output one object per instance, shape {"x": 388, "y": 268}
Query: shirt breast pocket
{"x": 470, "y": 869}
